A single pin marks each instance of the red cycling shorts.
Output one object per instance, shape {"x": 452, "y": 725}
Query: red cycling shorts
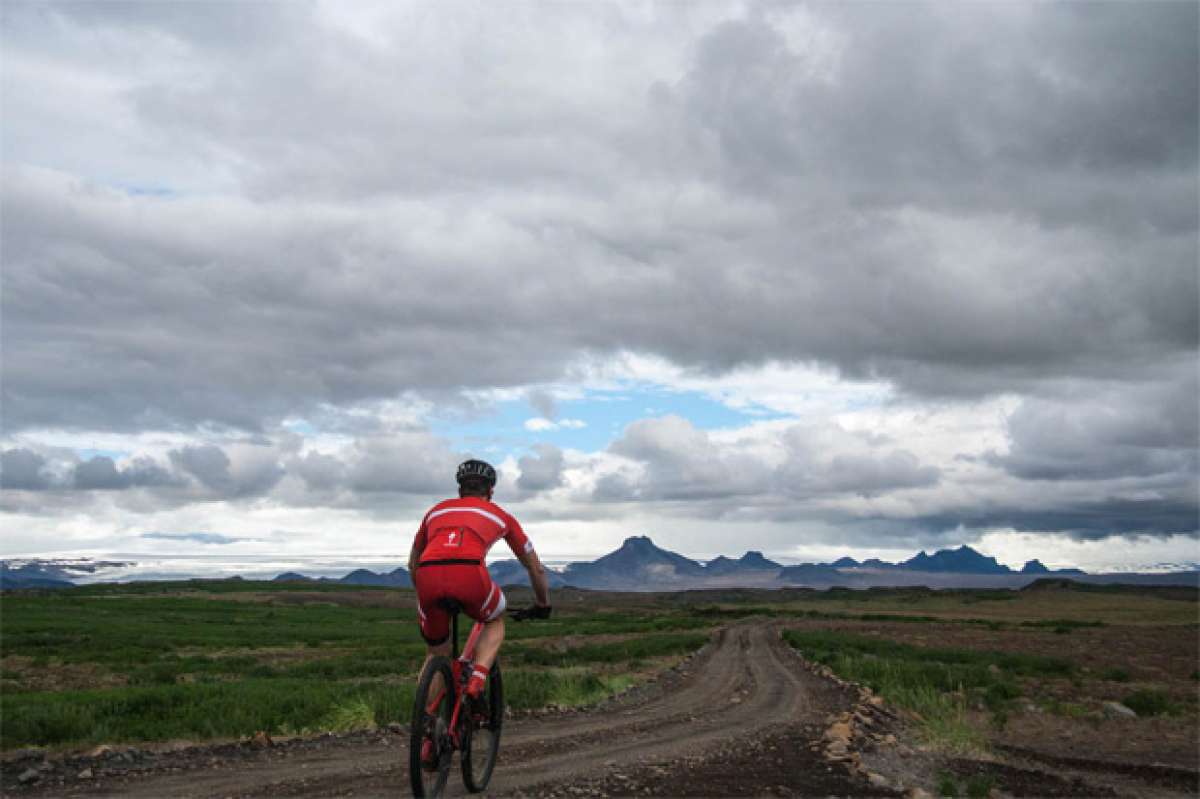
{"x": 469, "y": 584}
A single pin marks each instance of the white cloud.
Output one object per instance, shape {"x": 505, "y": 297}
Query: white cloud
{"x": 540, "y": 424}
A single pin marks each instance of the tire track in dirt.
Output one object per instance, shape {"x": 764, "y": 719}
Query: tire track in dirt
{"x": 744, "y": 685}
{"x": 742, "y": 689}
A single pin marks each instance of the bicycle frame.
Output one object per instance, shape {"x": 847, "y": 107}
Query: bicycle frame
{"x": 456, "y": 667}
{"x": 457, "y": 663}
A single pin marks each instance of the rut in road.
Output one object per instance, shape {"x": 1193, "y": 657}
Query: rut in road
{"x": 745, "y": 683}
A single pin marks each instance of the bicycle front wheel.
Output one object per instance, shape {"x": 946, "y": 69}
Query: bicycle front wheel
{"x": 481, "y": 741}
{"x": 432, "y": 709}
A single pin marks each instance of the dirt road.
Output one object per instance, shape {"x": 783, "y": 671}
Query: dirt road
{"x": 739, "y": 718}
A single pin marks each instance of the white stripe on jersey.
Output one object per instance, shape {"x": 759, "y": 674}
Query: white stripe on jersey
{"x": 480, "y": 511}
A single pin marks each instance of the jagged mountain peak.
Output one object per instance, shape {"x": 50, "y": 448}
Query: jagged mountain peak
{"x": 964, "y": 559}
{"x": 753, "y": 560}
{"x": 638, "y": 559}
{"x": 756, "y": 560}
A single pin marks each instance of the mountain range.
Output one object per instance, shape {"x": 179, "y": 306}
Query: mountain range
{"x": 50, "y": 573}
{"x": 640, "y": 565}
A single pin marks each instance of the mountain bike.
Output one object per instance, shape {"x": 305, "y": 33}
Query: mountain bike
{"x": 442, "y": 714}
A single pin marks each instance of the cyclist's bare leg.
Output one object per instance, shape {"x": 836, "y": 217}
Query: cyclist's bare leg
{"x": 442, "y": 649}
{"x": 488, "y": 645}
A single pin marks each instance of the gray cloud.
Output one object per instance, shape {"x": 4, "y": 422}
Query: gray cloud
{"x": 99, "y": 473}
{"x": 319, "y": 471}
{"x": 102, "y": 473}
{"x": 1098, "y": 432}
{"x": 1092, "y": 520}
{"x": 997, "y": 235}
{"x": 542, "y": 470}
{"x": 823, "y": 470}
{"x": 681, "y": 462}
{"x": 23, "y": 469}
{"x": 371, "y": 474}
{"x": 255, "y": 472}
{"x": 279, "y": 212}
{"x": 416, "y": 463}
{"x": 543, "y": 402}
{"x": 208, "y": 464}
{"x": 871, "y": 476}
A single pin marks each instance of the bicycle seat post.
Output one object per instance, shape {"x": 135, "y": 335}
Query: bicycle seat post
{"x": 454, "y": 634}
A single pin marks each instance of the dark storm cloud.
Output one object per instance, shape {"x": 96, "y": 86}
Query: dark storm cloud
{"x": 961, "y": 199}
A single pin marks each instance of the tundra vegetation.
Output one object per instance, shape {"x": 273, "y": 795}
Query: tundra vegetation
{"x": 224, "y": 659}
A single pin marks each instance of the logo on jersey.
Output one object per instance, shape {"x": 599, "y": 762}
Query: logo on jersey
{"x": 454, "y": 536}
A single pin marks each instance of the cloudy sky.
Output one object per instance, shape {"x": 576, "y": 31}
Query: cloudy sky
{"x": 804, "y": 278}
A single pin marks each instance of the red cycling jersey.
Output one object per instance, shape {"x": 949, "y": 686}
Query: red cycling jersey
{"x": 465, "y": 529}
{"x": 452, "y": 542}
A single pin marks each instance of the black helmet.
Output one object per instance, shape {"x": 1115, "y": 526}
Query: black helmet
{"x": 474, "y": 470}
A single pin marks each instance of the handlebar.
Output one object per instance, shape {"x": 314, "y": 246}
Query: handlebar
{"x": 531, "y": 612}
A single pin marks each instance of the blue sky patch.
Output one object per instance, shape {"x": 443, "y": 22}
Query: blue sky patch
{"x": 88, "y": 454}
{"x": 603, "y": 414}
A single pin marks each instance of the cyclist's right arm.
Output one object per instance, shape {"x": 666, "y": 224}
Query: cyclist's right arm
{"x": 522, "y": 547}
{"x": 419, "y": 541}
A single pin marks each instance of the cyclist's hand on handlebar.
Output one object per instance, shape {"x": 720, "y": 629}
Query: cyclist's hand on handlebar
{"x": 531, "y": 612}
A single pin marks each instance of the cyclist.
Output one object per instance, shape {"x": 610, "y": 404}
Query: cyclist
{"x": 447, "y": 562}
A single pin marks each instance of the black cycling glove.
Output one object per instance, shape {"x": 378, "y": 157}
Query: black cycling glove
{"x": 531, "y": 612}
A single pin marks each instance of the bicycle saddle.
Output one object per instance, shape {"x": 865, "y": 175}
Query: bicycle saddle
{"x": 450, "y": 605}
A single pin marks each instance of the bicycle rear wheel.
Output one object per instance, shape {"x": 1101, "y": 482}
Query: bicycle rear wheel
{"x": 432, "y": 709}
{"x": 481, "y": 741}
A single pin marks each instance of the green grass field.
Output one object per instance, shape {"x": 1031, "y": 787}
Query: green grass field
{"x": 224, "y": 659}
